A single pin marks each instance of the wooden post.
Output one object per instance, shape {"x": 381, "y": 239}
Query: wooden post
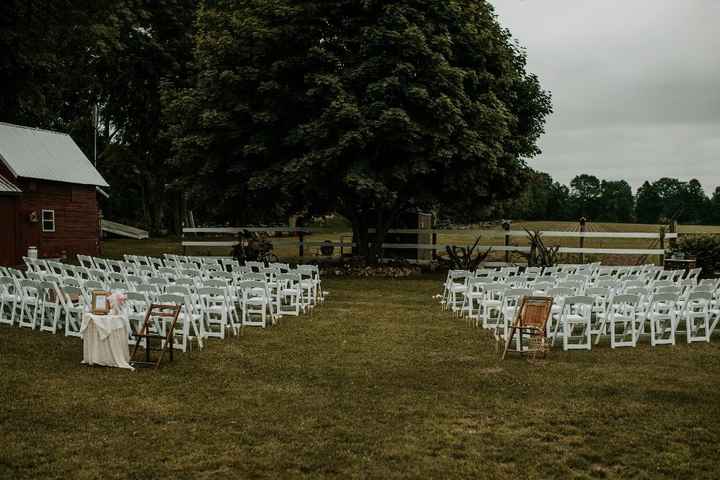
{"x": 583, "y": 229}
{"x": 673, "y": 229}
{"x": 301, "y": 247}
{"x": 662, "y": 246}
{"x": 434, "y": 242}
{"x": 506, "y": 226}
{"x": 182, "y": 240}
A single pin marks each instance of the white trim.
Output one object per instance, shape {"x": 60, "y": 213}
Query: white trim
{"x": 42, "y": 220}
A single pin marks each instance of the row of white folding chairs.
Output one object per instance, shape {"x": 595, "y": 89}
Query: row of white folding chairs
{"x": 462, "y": 297}
{"x": 290, "y": 293}
{"x": 459, "y": 282}
{"x": 621, "y": 317}
{"x": 207, "y": 267}
{"x": 206, "y": 312}
{"x": 119, "y": 271}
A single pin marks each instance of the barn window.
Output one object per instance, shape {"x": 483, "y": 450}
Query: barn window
{"x": 48, "y": 220}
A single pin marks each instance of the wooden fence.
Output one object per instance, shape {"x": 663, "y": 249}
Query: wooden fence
{"x": 302, "y": 243}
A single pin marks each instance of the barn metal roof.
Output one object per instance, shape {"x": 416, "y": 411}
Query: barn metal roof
{"x": 6, "y": 186}
{"x": 46, "y": 155}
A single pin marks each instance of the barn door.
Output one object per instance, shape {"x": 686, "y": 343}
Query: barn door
{"x": 8, "y": 220}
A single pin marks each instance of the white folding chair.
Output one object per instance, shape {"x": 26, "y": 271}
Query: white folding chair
{"x": 696, "y": 314}
{"x": 622, "y": 319}
{"x": 576, "y": 322}
{"x": 662, "y": 316}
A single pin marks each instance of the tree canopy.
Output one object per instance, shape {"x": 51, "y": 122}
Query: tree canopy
{"x": 368, "y": 108}
{"x": 256, "y": 110}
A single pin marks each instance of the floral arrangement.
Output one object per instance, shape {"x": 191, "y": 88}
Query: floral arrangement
{"x": 117, "y": 300}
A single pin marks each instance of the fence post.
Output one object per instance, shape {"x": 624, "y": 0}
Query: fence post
{"x": 301, "y": 246}
{"x": 673, "y": 229}
{"x": 434, "y": 242}
{"x": 662, "y": 246}
{"x": 182, "y": 240}
{"x": 506, "y": 227}
{"x": 583, "y": 229}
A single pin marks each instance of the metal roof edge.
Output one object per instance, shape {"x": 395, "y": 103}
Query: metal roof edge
{"x": 37, "y": 129}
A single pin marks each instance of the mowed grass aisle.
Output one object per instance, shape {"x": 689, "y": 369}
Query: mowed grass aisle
{"x": 378, "y": 383}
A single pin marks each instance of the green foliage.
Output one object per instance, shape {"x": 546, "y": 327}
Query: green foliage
{"x": 366, "y": 108}
{"x": 706, "y": 249}
{"x": 585, "y": 192}
{"x": 62, "y": 58}
{"x": 671, "y": 199}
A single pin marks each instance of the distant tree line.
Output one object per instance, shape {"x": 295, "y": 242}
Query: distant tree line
{"x": 663, "y": 200}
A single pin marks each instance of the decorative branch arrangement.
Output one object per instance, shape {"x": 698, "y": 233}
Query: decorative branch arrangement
{"x": 540, "y": 254}
{"x": 465, "y": 258}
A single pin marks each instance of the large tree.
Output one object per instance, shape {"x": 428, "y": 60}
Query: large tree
{"x": 585, "y": 191}
{"x": 369, "y": 108}
{"x": 616, "y": 202}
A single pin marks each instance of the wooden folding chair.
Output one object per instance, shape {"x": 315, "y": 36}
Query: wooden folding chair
{"x": 531, "y": 319}
{"x": 155, "y": 328}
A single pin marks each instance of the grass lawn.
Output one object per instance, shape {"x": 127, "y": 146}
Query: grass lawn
{"x": 378, "y": 383}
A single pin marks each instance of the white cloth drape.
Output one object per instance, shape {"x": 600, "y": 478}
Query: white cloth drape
{"x": 105, "y": 340}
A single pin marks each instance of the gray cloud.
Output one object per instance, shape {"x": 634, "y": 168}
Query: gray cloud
{"x": 635, "y": 84}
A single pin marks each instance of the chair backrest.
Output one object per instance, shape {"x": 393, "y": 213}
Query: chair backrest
{"x": 665, "y": 298}
{"x": 178, "y": 290}
{"x": 669, "y": 289}
{"x": 534, "y": 313}
{"x": 256, "y": 276}
{"x": 575, "y": 286}
{"x": 93, "y": 285}
{"x": 560, "y": 292}
{"x": 694, "y": 272}
{"x": 171, "y": 299}
{"x": 700, "y": 297}
{"x": 598, "y": 292}
{"x": 517, "y": 292}
{"x": 184, "y": 282}
{"x": 625, "y": 299}
{"x": 72, "y": 296}
{"x": 122, "y": 286}
{"x": 85, "y": 261}
{"x": 638, "y": 291}
{"x": 136, "y": 301}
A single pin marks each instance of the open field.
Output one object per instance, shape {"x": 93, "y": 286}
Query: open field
{"x": 378, "y": 383}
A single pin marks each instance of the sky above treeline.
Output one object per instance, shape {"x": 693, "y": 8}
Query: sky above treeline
{"x": 635, "y": 86}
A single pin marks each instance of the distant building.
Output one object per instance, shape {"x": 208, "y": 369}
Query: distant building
{"x": 48, "y": 196}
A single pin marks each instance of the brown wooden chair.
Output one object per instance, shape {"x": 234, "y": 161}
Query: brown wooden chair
{"x": 156, "y": 316}
{"x": 531, "y": 320}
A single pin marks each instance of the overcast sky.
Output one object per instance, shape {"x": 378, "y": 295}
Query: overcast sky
{"x": 635, "y": 85}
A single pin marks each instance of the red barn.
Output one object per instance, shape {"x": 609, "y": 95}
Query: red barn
{"x": 48, "y": 195}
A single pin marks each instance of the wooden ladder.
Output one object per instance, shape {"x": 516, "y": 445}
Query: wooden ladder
{"x": 156, "y": 312}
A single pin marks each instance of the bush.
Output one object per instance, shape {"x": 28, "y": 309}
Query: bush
{"x": 706, "y": 249}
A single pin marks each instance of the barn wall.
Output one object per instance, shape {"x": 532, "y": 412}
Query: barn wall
{"x": 76, "y": 219}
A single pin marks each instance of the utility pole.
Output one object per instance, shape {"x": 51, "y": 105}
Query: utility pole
{"x": 95, "y": 119}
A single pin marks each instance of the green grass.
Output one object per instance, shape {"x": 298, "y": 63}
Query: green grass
{"x": 377, "y": 383}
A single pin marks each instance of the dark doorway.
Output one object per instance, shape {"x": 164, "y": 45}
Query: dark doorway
{"x": 8, "y": 221}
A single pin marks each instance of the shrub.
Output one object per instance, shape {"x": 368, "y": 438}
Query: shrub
{"x": 706, "y": 249}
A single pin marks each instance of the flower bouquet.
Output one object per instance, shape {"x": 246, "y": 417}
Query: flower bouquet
{"x": 117, "y": 301}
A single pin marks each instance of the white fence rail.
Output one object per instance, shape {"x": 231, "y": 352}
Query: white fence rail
{"x": 302, "y": 243}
